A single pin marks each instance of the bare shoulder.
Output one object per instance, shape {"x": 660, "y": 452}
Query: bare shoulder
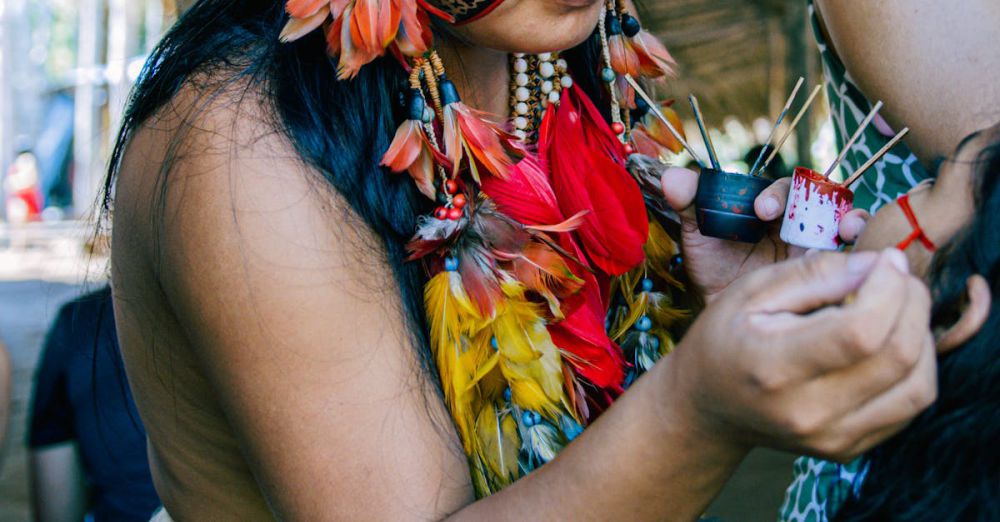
{"x": 287, "y": 301}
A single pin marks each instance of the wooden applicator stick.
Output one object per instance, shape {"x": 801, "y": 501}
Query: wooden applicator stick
{"x": 847, "y": 147}
{"x": 704, "y": 133}
{"x": 791, "y": 128}
{"x": 874, "y": 159}
{"x": 777, "y": 123}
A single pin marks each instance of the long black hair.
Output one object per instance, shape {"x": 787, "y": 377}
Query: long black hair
{"x": 341, "y": 128}
{"x": 946, "y": 464}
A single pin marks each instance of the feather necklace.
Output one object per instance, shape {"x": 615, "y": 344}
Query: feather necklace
{"x": 552, "y": 275}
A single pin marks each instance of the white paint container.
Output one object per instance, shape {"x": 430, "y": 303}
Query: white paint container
{"x": 815, "y": 208}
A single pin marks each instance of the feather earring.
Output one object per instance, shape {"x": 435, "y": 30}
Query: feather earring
{"x": 411, "y": 150}
{"x": 468, "y": 133}
{"x": 652, "y": 58}
{"x": 624, "y": 59}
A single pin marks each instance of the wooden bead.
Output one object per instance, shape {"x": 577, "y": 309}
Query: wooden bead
{"x": 459, "y": 201}
{"x": 451, "y": 186}
{"x": 441, "y": 213}
{"x": 617, "y": 127}
{"x": 455, "y": 214}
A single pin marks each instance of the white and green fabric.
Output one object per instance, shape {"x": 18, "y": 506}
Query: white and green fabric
{"x": 899, "y": 170}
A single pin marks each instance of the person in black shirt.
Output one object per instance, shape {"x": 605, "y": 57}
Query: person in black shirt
{"x": 88, "y": 446}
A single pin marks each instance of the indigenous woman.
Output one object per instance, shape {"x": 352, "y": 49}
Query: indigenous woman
{"x": 345, "y": 291}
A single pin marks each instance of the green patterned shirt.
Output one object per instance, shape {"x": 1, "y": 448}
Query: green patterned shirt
{"x": 899, "y": 170}
{"x": 819, "y": 488}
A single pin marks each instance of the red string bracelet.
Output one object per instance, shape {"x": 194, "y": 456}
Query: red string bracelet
{"x": 918, "y": 233}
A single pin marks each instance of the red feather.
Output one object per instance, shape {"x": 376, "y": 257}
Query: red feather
{"x": 588, "y": 175}
{"x": 414, "y": 37}
{"x": 298, "y": 27}
{"x": 411, "y": 151}
{"x": 527, "y": 196}
{"x": 304, "y": 8}
{"x": 470, "y": 133}
{"x": 623, "y": 57}
{"x": 654, "y": 58}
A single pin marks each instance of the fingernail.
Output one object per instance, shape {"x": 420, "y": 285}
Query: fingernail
{"x": 771, "y": 207}
{"x": 862, "y": 262}
{"x": 898, "y": 260}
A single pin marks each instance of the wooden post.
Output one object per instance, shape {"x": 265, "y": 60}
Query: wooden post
{"x": 86, "y": 128}
{"x": 800, "y": 46}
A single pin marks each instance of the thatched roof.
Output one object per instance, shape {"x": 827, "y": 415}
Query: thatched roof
{"x": 740, "y": 57}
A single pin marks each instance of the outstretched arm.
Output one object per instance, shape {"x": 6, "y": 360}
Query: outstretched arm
{"x": 297, "y": 325}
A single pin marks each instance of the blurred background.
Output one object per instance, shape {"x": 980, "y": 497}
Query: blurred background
{"x": 66, "y": 67}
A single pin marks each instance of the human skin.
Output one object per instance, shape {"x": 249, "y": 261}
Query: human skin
{"x": 933, "y": 63}
{"x": 268, "y": 355}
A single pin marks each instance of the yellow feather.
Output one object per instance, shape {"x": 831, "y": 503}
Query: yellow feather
{"x": 660, "y": 249}
{"x": 452, "y": 316}
{"x": 636, "y": 309}
{"x": 530, "y": 362}
{"x": 497, "y": 447}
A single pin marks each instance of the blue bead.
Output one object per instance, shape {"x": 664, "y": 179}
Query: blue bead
{"x": 654, "y": 342}
{"x": 450, "y": 264}
{"x": 608, "y": 75}
{"x": 647, "y": 285}
{"x": 494, "y": 344}
{"x": 644, "y": 324}
{"x": 506, "y": 394}
{"x": 527, "y": 419}
{"x": 630, "y": 26}
{"x": 536, "y": 418}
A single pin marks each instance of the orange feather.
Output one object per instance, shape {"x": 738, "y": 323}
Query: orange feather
{"x": 305, "y": 8}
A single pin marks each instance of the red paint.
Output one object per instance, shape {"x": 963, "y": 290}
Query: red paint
{"x": 810, "y": 179}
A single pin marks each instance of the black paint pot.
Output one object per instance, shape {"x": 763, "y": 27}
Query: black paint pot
{"x": 725, "y": 205}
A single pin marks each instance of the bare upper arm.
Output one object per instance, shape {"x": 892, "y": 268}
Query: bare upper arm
{"x": 934, "y": 63}
{"x": 286, "y": 299}
{"x": 58, "y": 484}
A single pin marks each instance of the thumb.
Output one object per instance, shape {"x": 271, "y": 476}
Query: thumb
{"x": 679, "y": 189}
{"x": 807, "y": 283}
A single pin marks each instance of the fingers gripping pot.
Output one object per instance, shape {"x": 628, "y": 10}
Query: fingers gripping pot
{"x": 815, "y": 208}
{"x": 724, "y": 205}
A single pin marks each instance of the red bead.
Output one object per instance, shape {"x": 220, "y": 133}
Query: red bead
{"x": 629, "y": 149}
{"x": 451, "y": 186}
{"x": 455, "y": 214}
{"x": 441, "y": 213}
{"x": 618, "y": 127}
{"x": 459, "y": 201}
